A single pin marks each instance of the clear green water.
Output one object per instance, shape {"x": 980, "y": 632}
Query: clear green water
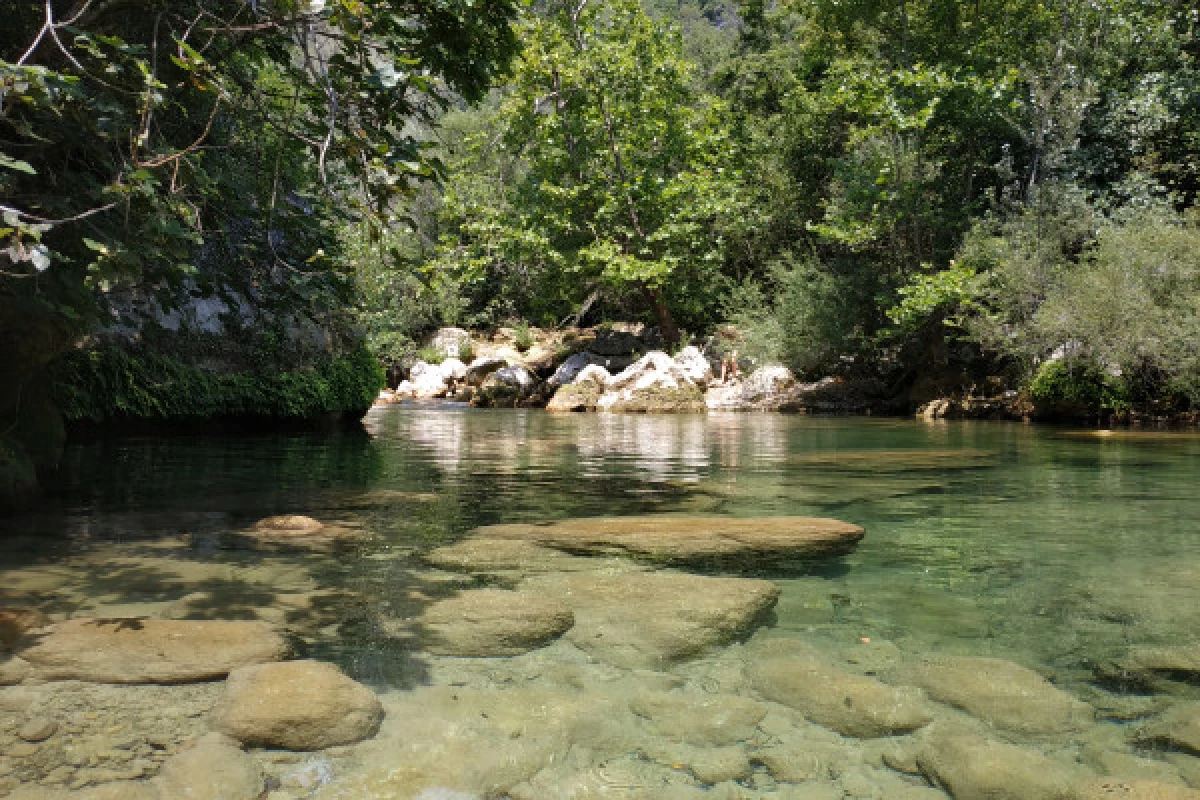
{"x": 1047, "y": 548}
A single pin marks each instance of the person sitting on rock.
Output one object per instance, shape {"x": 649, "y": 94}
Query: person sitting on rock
{"x": 726, "y": 346}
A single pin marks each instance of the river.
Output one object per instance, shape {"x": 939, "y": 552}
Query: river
{"x": 1062, "y": 566}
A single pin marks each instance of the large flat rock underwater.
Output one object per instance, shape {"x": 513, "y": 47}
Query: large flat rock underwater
{"x": 682, "y": 540}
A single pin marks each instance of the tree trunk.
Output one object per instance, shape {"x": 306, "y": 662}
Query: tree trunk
{"x": 666, "y": 321}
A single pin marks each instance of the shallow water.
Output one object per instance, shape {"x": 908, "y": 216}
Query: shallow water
{"x": 1057, "y": 551}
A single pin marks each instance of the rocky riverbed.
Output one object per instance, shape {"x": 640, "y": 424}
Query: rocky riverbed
{"x": 697, "y": 620}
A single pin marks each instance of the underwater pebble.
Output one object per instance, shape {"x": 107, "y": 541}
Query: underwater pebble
{"x": 38, "y": 729}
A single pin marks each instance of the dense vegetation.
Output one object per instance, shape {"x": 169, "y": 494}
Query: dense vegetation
{"x": 937, "y": 195}
{"x": 941, "y": 195}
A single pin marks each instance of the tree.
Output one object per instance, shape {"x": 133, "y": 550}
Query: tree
{"x": 626, "y": 179}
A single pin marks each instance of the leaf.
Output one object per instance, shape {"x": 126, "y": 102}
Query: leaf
{"x": 17, "y": 165}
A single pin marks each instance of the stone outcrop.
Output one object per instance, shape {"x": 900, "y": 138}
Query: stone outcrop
{"x": 653, "y": 619}
{"x": 150, "y": 650}
{"x": 583, "y": 392}
{"x": 481, "y": 554}
{"x": 1000, "y": 692}
{"x": 689, "y": 540}
{"x": 695, "y": 366}
{"x": 654, "y": 383}
{"x": 493, "y": 622}
{"x": 297, "y": 705}
{"x": 854, "y": 705}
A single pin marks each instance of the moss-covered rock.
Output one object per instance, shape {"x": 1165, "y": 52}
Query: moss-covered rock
{"x": 654, "y": 399}
{"x": 576, "y": 397}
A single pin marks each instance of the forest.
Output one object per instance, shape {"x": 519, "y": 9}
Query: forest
{"x": 942, "y": 196}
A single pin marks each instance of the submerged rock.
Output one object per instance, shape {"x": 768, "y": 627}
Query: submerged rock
{"x": 493, "y": 622}
{"x": 895, "y": 460}
{"x": 214, "y": 768}
{"x": 1179, "y": 728}
{"x": 689, "y": 540}
{"x": 16, "y": 622}
{"x": 699, "y": 718}
{"x": 1005, "y": 694}
{"x": 292, "y": 532}
{"x": 13, "y": 670}
{"x": 489, "y": 555}
{"x": 297, "y": 705}
{"x": 38, "y": 729}
{"x": 970, "y": 767}
{"x": 1145, "y": 665}
{"x": 854, "y": 705}
{"x": 1135, "y": 790}
{"x": 653, "y": 619}
{"x": 150, "y": 650}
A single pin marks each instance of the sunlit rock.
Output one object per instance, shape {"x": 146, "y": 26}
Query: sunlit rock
{"x": 855, "y": 705}
{"x": 1004, "y": 694}
{"x": 450, "y": 342}
{"x": 506, "y": 387}
{"x": 689, "y": 540}
{"x": 653, "y": 619}
{"x": 297, "y": 705}
{"x": 13, "y": 670}
{"x": 150, "y": 650}
{"x": 493, "y": 622}
{"x": 570, "y": 370}
{"x": 292, "y": 533}
{"x": 695, "y": 365}
{"x": 654, "y": 383}
{"x": 487, "y": 555}
{"x": 428, "y": 380}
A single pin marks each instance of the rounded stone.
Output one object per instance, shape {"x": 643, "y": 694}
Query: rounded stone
{"x": 494, "y": 622}
{"x": 38, "y": 729}
{"x": 297, "y": 705}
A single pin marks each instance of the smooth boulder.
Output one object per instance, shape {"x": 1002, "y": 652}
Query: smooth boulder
{"x": 1005, "y": 694}
{"x": 214, "y": 768}
{"x": 971, "y": 767}
{"x": 653, "y": 383}
{"x": 493, "y": 622}
{"x": 654, "y": 619}
{"x": 689, "y": 540}
{"x": 853, "y": 705}
{"x": 150, "y": 650}
{"x": 297, "y": 705}
{"x": 292, "y": 532}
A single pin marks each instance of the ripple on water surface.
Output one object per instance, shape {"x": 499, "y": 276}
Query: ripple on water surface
{"x": 583, "y": 607}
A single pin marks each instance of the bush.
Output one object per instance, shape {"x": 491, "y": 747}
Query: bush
{"x": 522, "y": 336}
{"x": 1065, "y": 389}
{"x": 431, "y": 355}
{"x": 112, "y": 384}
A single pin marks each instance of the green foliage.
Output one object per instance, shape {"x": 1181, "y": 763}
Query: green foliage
{"x": 431, "y": 355}
{"x": 156, "y": 154}
{"x": 613, "y": 175}
{"x": 1062, "y": 388}
{"x": 98, "y": 386}
{"x": 18, "y": 478}
{"x": 941, "y": 297}
{"x": 522, "y": 336}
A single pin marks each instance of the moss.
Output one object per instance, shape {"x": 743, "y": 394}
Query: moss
{"x": 576, "y": 397}
{"x": 96, "y": 386}
{"x": 659, "y": 400}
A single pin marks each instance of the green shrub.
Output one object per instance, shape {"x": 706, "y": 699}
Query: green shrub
{"x": 522, "y": 336}
{"x": 114, "y": 384}
{"x": 1065, "y": 389}
{"x": 431, "y": 355}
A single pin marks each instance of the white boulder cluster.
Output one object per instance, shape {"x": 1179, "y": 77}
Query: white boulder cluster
{"x": 606, "y": 375}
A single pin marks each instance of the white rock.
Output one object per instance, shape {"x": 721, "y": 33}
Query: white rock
{"x": 653, "y": 369}
{"x": 406, "y": 389}
{"x": 765, "y": 382}
{"x": 428, "y": 380}
{"x": 593, "y": 374}
{"x": 695, "y": 365}
{"x": 453, "y": 369}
